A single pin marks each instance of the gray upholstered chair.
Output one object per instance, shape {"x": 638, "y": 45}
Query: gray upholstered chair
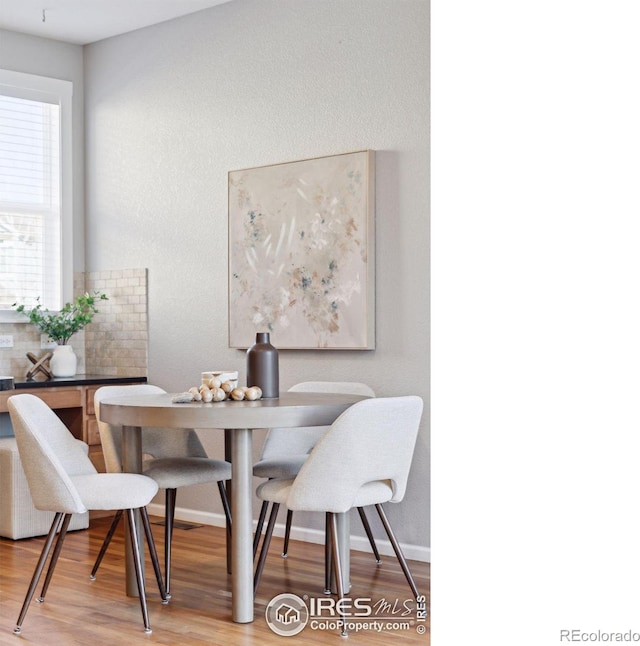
{"x": 63, "y": 480}
{"x": 173, "y": 458}
{"x": 284, "y": 452}
{"x": 363, "y": 459}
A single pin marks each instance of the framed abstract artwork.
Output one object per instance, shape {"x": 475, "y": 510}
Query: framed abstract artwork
{"x": 301, "y": 253}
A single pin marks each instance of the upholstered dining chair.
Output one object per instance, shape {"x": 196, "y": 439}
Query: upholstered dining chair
{"x": 62, "y": 479}
{"x": 284, "y": 452}
{"x": 363, "y": 459}
{"x": 172, "y": 458}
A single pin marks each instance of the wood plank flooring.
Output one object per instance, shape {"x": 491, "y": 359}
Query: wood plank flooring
{"x": 98, "y": 613}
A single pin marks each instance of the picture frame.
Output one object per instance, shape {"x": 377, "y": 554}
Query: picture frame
{"x": 302, "y": 253}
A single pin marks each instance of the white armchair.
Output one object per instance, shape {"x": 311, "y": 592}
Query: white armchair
{"x": 63, "y": 480}
{"x": 175, "y": 458}
{"x": 363, "y": 459}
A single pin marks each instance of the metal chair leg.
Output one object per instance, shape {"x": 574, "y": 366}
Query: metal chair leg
{"x": 170, "y": 510}
{"x": 367, "y": 529}
{"x": 37, "y": 573}
{"x": 62, "y": 532}
{"x": 261, "y": 517}
{"x": 327, "y": 547}
{"x": 265, "y": 547}
{"x": 327, "y": 554}
{"x": 225, "y": 502}
{"x": 106, "y": 543}
{"x": 287, "y": 532}
{"x": 398, "y": 551}
{"x": 137, "y": 562}
{"x": 337, "y": 568}
{"x": 153, "y": 553}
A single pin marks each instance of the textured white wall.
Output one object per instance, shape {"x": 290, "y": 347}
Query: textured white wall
{"x": 172, "y": 108}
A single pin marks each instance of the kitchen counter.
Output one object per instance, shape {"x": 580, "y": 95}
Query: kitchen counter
{"x": 79, "y": 380}
{"x": 71, "y": 398}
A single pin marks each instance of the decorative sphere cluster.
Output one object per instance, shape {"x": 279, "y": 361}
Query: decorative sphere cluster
{"x": 214, "y": 390}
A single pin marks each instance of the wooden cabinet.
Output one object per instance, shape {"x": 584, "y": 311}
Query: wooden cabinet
{"x": 74, "y": 406}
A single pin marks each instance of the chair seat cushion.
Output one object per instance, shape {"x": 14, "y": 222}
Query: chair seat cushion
{"x": 371, "y": 493}
{"x": 171, "y": 473}
{"x": 115, "y": 490}
{"x": 280, "y": 467}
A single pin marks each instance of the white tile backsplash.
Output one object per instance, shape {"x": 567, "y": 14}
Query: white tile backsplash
{"x": 114, "y": 344}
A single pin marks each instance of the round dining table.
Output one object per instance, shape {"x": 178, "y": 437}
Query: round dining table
{"x": 237, "y": 419}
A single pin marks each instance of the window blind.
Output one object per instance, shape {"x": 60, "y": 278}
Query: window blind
{"x": 30, "y": 222}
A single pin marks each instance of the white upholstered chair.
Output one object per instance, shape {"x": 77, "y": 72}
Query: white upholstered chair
{"x": 173, "y": 458}
{"x": 284, "y": 452}
{"x": 63, "y": 480}
{"x": 363, "y": 459}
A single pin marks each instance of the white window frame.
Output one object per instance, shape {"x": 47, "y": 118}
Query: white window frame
{"x": 43, "y": 88}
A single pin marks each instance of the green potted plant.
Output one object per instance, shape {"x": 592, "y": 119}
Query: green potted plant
{"x": 61, "y": 326}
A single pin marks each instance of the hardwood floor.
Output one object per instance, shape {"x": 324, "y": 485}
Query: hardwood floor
{"x": 98, "y": 613}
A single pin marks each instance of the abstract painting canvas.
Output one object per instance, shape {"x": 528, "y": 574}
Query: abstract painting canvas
{"x": 301, "y": 253}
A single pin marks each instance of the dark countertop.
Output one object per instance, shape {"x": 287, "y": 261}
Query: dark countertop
{"x": 79, "y": 380}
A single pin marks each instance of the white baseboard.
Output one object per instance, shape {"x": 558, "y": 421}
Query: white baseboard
{"x": 359, "y": 543}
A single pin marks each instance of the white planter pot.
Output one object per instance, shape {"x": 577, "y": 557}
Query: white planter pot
{"x": 64, "y": 361}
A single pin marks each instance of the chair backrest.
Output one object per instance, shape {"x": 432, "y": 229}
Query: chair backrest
{"x": 372, "y": 441}
{"x": 282, "y": 442}
{"x": 49, "y": 453}
{"x": 156, "y": 442}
